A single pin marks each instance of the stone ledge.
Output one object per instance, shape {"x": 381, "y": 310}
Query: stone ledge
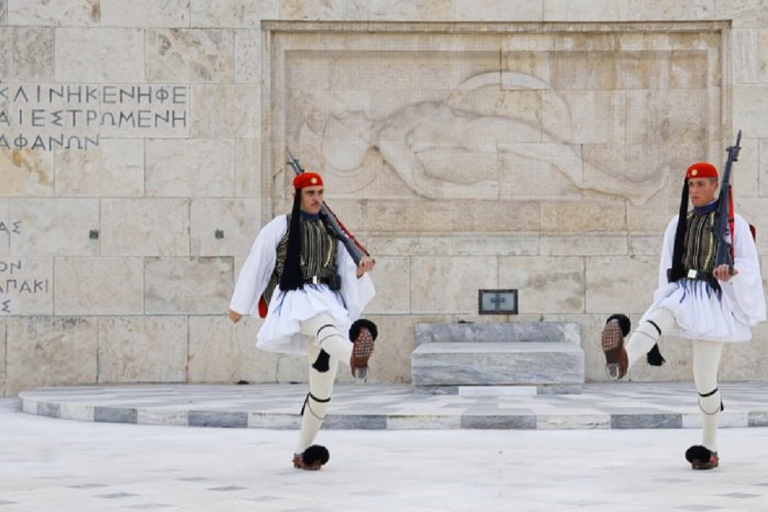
{"x": 624, "y": 405}
{"x": 497, "y": 363}
{"x": 546, "y": 355}
{"x": 496, "y": 332}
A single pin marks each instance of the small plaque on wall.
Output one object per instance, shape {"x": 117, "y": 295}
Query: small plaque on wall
{"x": 497, "y": 302}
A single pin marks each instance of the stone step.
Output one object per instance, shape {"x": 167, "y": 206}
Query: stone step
{"x": 496, "y": 332}
{"x": 497, "y": 391}
{"x": 443, "y": 367}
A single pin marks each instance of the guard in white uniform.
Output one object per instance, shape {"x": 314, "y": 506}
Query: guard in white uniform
{"x": 300, "y": 277}
{"x": 696, "y": 300}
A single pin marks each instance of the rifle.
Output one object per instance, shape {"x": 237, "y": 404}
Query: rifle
{"x": 354, "y": 248}
{"x": 724, "y": 223}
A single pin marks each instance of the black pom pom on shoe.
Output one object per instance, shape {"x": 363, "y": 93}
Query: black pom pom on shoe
{"x": 315, "y": 454}
{"x": 312, "y": 459}
{"x": 697, "y": 452}
{"x": 702, "y": 457}
{"x": 354, "y": 330}
{"x": 624, "y": 322}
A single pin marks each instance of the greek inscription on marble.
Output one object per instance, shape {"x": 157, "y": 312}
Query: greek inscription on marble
{"x": 12, "y": 288}
{"x": 10, "y": 227}
{"x": 75, "y": 116}
{"x": 15, "y": 279}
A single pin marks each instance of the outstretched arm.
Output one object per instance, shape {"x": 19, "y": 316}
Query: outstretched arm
{"x": 257, "y": 269}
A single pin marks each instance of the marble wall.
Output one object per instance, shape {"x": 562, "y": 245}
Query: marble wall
{"x": 470, "y": 144}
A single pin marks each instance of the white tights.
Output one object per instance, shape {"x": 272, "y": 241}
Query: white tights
{"x": 706, "y": 364}
{"x": 646, "y": 335}
{"x": 322, "y": 334}
{"x": 706, "y": 361}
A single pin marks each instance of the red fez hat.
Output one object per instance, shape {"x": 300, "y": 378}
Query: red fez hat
{"x": 307, "y": 179}
{"x": 701, "y": 170}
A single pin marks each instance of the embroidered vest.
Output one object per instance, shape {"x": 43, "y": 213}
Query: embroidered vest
{"x": 700, "y": 242}
{"x": 318, "y": 254}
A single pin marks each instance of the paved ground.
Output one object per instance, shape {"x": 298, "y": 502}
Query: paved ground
{"x": 49, "y": 464}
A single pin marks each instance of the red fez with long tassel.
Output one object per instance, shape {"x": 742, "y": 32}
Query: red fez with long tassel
{"x": 701, "y": 170}
{"x": 307, "y": 179}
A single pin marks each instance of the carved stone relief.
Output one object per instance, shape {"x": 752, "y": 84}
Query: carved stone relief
{"x": 524, "y": 117}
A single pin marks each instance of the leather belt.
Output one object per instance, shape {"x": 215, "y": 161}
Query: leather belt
{"x": 333, "y": 282}
{"x": 317, "y": 280}
{"x": 703, "y": 275}
{"x": 700, "y": 275}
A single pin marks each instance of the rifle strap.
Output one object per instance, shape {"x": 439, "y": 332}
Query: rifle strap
{"x": 346, "y": 232}
{"x": 731, "y": 220}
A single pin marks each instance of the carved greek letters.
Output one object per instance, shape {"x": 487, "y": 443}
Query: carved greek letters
{"x": 18, "y": 278}
{"x": 74, "y": 116}
{"x": 9, "y": 227}
{"x": 17, "y": 281}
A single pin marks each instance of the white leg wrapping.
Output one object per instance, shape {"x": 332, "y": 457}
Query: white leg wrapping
{"x": 321, "y": 388}
{"x": 323, "y": 329}
{"x": 706, "y": 363}
{"x": 646, "y": 336}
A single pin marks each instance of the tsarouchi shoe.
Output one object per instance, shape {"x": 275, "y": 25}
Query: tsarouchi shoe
{"x": 362, "y": 333}
{"x": 312, "y": 459}
{"x": 612, "y": 342}
{"x": 702, "y": 457}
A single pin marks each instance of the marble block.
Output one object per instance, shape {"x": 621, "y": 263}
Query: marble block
{"x": 144, "y": 13}
{"x": 544, "y": 355}
{"x": 107, "y": 55}
{"x": 50, "y": 351}
{"x": 497, "y": 363}
{"x": 490, "y": 332}
{"x": 497, "y": 390}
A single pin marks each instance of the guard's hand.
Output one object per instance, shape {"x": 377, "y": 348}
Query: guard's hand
{"x": 723, "y": 273}
{"x": 366, "y": 265}
{"x": 234, "y": 316}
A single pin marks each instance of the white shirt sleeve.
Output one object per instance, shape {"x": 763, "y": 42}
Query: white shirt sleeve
{"x": 258, "y": 268}
{"x": 357, "y": 293}
{"x": 744, "y": 292}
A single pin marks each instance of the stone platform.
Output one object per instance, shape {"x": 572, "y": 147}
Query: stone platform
{"x": 623, "y": 405}
{"x": 545, "y": 357}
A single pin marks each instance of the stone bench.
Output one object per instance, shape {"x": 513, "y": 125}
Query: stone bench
{"x": 497, "y": 358}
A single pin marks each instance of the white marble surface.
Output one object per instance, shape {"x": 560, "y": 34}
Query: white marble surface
{"x": 190, "y": 168}
{"x": 190, "y": 55}
{"x": 105, "y": 55}
{"x": 115, "y": 168}
{"x": 497, "y": 332}
{"x": 85, "y": 13}
{"x": 539, "y": 354}
{"x": 144, "y": 13}
{"x": 48, "y": 350}
{"x": 497, "y": 363}
{"x": 201, "y": 469}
